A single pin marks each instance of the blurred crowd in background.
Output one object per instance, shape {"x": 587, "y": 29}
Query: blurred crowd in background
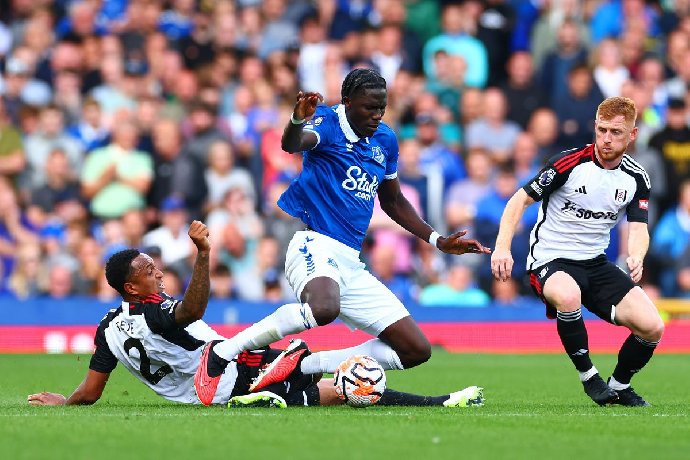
{"x": 123, "y": 120}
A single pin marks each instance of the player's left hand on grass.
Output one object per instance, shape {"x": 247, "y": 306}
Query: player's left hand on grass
{"x": 635, "y": 266}
{"x": 46, "y": 399}
{"x": 198, "y": 232}
{"x": 456, "y": 244}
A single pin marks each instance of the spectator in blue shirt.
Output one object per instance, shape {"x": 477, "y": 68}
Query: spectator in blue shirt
{"x": 178, "y": 21}
{"x": 456, "y": 40}
{"x": 575, "y": 107}
{"x": 382, "y": 261}
{"x": 569, "y": 50}
{"x": 457, "y": 290}
{"x": 670, "y": 240}
{"x": 15, "y": 228}
{"x": 488, "y": 217}
{"x": 611, "y": 18}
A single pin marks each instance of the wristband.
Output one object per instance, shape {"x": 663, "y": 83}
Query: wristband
{"x": 296, "y": 121}
{"x": 433, "y": 238}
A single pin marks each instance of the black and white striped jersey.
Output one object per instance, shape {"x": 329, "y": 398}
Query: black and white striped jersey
{"x": 145, "y": 338}
{"x": 581, "y": 202}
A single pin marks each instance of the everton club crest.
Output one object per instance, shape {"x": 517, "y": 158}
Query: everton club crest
{"x": 377, "y": 154}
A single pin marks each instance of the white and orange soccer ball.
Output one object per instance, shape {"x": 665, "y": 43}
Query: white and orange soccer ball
{"x": 360, "y": 381}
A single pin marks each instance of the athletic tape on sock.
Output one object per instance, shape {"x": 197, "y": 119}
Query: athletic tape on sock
{"x": 584, "y": 376}
{"x": 646, "y": 343}
{"x": 616, "y": 385}
{"x": 569, "y": 316}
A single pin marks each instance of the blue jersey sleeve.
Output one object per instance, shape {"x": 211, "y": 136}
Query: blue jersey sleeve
{"x": 323, "y": 124}
{"x": 392, "y": 160}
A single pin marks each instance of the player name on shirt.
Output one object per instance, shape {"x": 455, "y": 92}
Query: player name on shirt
{"x": 145, "y": 338}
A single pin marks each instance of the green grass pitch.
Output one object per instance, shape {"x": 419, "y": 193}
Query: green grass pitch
{"x": 535, "y": 409}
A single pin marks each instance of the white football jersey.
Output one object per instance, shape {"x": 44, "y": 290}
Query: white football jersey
{"x": 145, "y": 338}
{"x": 581, "y": 202}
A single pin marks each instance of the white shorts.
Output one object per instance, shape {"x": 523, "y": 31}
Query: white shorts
{"x": 365, "y": 303}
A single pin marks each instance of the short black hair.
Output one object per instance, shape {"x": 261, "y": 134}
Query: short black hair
{"x": 361, "y": 79}
{"x": 118, "y": 268}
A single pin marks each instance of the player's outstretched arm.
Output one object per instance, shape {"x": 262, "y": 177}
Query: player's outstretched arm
{"x": 638, "y": 244}
{"x": 294, "y": 139}
{"x": 87, "y": 393}
{"x": 196, "y": 296}
{"x": 501, "y": 259}
{"x": 394, "y": 203}
{"x": 456, "y": 244}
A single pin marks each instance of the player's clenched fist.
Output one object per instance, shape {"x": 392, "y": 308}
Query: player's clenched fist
{"x": 198, "y": 232}
{"x": 306, "y": 105}
{"x": 501, "y": 264}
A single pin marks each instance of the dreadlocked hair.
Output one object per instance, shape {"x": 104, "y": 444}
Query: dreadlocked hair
{"x": 118, "y": 267}
{"x": 361, "y": 79}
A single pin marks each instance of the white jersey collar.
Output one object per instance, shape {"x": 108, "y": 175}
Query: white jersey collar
{"x": 345, "y": 125}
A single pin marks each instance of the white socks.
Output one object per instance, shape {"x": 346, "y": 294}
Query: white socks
{"x": 291, "y": 319}
{"x": 584, "y": 376}
{"x": 328, "y": 361}
{"x": 613, "y": 383}
{"x": 616, "y": 385}
{"x": 288, "y": 319}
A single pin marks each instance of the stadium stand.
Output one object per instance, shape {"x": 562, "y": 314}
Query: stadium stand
{"x": 121, "y": 121}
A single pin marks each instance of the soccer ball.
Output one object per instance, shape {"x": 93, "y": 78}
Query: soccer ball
{"x": 359, "y": 381}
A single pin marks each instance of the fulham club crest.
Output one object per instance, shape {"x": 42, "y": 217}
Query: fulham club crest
{"x": 620, "y": 196}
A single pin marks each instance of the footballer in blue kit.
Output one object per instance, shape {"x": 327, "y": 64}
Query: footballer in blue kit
{"x": 350, "y": 157}
{"x": 334, "y": 195}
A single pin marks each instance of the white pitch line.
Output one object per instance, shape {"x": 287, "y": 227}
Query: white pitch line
{"x": 360, "y": 413}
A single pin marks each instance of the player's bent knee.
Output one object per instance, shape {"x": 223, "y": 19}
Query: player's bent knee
{"x": 656, "y": 331}
{"x": 323, "y": 297}
{"x": 415, "y": 357}
{"x": 566, "y": 301}
{"x": 325, "y": 309}
{"x": 326, "y": 315}
{"x": 652, "y": 331}
{"x": 563, "y": 292}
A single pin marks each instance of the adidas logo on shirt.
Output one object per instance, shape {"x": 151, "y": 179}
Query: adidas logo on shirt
{"x": 582, "y": 190}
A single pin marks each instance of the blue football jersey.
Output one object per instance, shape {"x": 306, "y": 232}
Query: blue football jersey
{"x": 334, "y": 194}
